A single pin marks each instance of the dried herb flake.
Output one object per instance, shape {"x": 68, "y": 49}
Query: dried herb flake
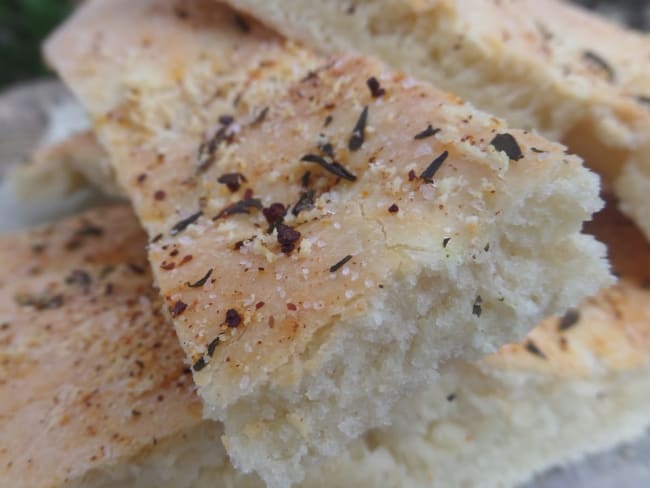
{"x": 427, "y": 174}
{"x": 333, "y": 167}
{"x": 507, "y": 143}
{"x": 428, "y": 132}
{"x": 181, "y": 225}
{"x": 340, "y": 264}
{"x": 200, "y": 282}
{"x": 569, "y": 319}
{"x": 358, "y": 133}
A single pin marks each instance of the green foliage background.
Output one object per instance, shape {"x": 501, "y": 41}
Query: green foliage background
{"x": 23, "y": 26}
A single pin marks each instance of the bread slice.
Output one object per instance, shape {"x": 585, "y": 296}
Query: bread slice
{"x": 541, "y": 64}
{"x": 55, "y": 171}
{"x": 94, "y": 392}
{"x": 323, "y": 242}
{"x": 90, "y": 370}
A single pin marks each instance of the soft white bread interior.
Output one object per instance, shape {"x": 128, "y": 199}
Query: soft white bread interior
{"x": 94, "y": 392}
{"x": 540, "y": 64}
{"x": 323, "y": 241}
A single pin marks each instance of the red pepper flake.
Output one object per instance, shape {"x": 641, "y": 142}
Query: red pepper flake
{"x": 141, "y": 177}
{"x": 78, "y": 277}
{"x": 233, "y": 319}
{"x": 174, "y": 253}
{"x": 292, "y": 307}
{"x": 259, "y": 305}
{"x": 393, "y": 208}
{"x": 177, "y": 309}
{"x": 287, "y": 237}
{"x": 186, "y": 259}
{"x": 159, "y": 195}
{"x": 412, "y": 175}
{"x": 232, "y": 180}
{"x": 168, "y": 266}
{"x": 375, "y": 88}
{"x": 274, "y": 213}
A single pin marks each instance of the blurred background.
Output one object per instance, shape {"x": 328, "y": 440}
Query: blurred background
{"x": 24, "y": 24}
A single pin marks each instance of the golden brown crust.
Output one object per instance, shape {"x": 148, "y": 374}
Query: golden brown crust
{"x": 90, "y": 370}
{"x": 158, "y": 85}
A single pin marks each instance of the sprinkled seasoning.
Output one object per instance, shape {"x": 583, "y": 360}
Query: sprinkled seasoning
{"x": 375, "y": 88}
{"x": 159, "y": 195}
{"x": 428, "y": 132}
{"x": 240, "y": 207}
{"x": 233, "y": 319}
{"x": 226, "y": 119}
{"x": 156, "y": 238}
{"x": 569, "y": 319}
{"x": 40, "y": 302}
{"x": 327, "y": 149}
{"x": 477, "y": 309}
{"x": 508, "y": 144}
{"x": 597, "y": 60}
{"x": 340, "y": 264}
{"x": 137, "y": 269}
{"x": 207, "y": 150}
{"x": 305, "y": 202}
{"x": 536, "y": 150}
{"x": 427, "y": 174}
{"x": 486, "y": 248}
{"x": 259, "y": 305}
{"x": 241, "y": 23}
{"x": 412, "y": 175}
{"x": 287, "y": 237}
{"x": 90, "y": 230}
{"x": 334, "y": 167}
{"x": 78, "y": 277}
{"x": 393, "y": 208}
{"x": 291, "y": 307}
{"x": 199, "y": 364}
{"x": 232, "y": 180}
{"x": 359, "y": 131}
{"x": 274, "y": 214}
{"x": 328, "y": 121}
{"x": 304, "y": 180}
{"x": 445, "y": 241}
{"x": 177, "y": 309}
{"x": 212, "y": 346}
{"x": 181, "y": 225}
{"x": 532, "y": 348}
{"x": 451, "y": 397}
{"x": 261, "y": 116}
{"x": 202, "y": 281}
{"x": 643, "y": 99}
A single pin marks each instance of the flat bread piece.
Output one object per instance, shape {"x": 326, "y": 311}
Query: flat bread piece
{"x": 322, "y": 241}
{"x": 94, "y": 392}
{"x": 91, "y": 373}
{"x": 540, "y": 64}
{"x": 57, "y": 170}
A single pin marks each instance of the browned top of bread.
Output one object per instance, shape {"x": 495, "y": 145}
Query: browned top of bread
{"x": 610, "y": 331}
{"x": 90, "y": 371}
{"x": 211, "y": 120}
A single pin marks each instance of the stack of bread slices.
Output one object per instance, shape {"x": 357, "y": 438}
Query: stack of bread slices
{"x": 380, "y": 243}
